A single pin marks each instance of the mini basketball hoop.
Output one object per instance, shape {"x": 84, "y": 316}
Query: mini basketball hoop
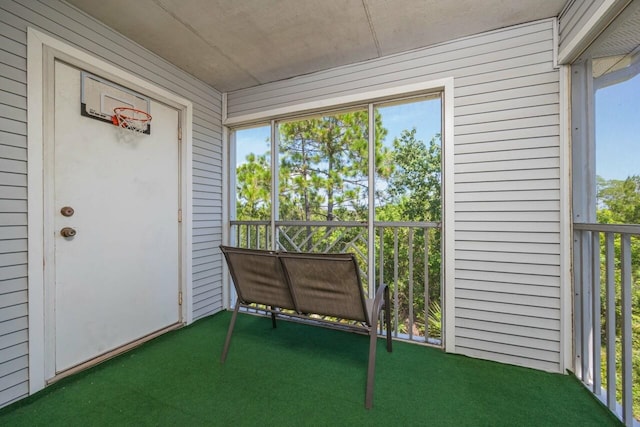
{"x": 131, "y": 120}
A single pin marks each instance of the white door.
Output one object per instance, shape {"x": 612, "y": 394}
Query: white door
{"x": 117, "y": 279}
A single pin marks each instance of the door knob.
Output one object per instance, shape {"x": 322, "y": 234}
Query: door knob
{"x": 67, "y": 211}
{"x": 68, "y": 232}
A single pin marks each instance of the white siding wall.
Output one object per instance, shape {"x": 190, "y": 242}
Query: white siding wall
{"x": 68, "y": 24}
{"x": 574, "y": 17}
{"x": 507, "y": 201}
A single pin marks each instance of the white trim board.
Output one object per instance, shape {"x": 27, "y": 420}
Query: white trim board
{"x": 42, "y": 49}
{"x": 446, "y": 85}
{"x": 335, "y": 102}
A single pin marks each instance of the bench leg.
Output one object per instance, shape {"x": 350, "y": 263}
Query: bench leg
{"x": 230, "y": 332}
{"x": 371, "y": 370}
{"x": 387, "y": 318}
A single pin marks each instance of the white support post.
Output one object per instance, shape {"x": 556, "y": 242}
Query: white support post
{"x": 275, "y": 184}
{"x": 231, "y": 204}
{"x": 371, "y": 253}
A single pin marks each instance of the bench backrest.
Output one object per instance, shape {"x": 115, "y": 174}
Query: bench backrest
{"x": 258, "y": 277}
{"x": 309, "y": 283}
{"x": 326, "y": 284}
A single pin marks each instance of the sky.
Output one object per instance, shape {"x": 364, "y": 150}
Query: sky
{"x": 618, "y": 130}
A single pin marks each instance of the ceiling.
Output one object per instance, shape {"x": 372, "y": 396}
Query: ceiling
{"x": 234, "y": 44}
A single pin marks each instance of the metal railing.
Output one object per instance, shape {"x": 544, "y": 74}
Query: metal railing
{"x": 406, "y": 255}
{"x": 603, "y": 314}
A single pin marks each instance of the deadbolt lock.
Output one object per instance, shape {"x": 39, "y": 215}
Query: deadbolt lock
{"x": 67, "y": 211}
{"x": 68, "y": 232}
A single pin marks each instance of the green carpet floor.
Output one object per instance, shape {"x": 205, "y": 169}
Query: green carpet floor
{"x": 299, "y": 375}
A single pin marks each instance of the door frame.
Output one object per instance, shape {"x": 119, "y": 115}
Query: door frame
{"x": 42, "y": 51}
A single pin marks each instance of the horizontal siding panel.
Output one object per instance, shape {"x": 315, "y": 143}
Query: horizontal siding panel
{"x": 207, "y": 310}
{"x": 507, "y": 145}
{"x": 523, "y": 331}
{"x": 14, "y": 245}
{"x": 12, "y": 139}
{"x": 518, "y": 82}
{"x": 508, "y": 155}
{"x": 502, "y": 236}
{"x": 13, "y": 232}
{"x": 13, "y": 153}
{"x": 510, "y": 288}
{"x": 13, "y": 298}
{"x": 12, "y": 112}
{"x": 212, "y": 296}
{"x": 508, "y": 319}
{"x": 13, "y": 166}
{"x": 509, "y": 298}
{"x": 504, "y": 106}
{"x": 509, "y": 175}
{"x": 12, "y": 218}
{"x": 12, "y": 272}
{"x": 13, "y": 126}
{"x": 13, "y": 179}
{"x": 21, "y": 323}
{"x": 509, "y": 206}
{"x": 502, "y": 125}
{"x": 10, "y": 380}
{"x": 13, "y": 285}
{"x": 541, "y": 216}
{"x": 500, "y": 276}
{"x": 508, "y": 134}
{"x": 507, "y": 95}
{"x": 502, "y": 196}
{"x": 14, "y": 258}
{"x": 12, "y": 62}
{"x": 14, "y": 193}
{"x": 508, "y": 339}
{"x": 12, "y": 86}
{"x": 13, "y": 339}
{"x": 11, "y": 32}
{"x": 513, "y": 350}
{"x": 506, "y": 358}
{"x": 507, "y": 308}
{"x": 12, "y": 206}
{"x": 13, "y": 352}
{"x": 500, "y": 186}
{"x": 520, "y": 258}
{"x": 526, "y": 248}
{"x": 499, "y": 226}
{"x": 509, "y": 267}
{"x": 12, "y": 312}
{"x": 12, "y": 46}
{"x": 502, "y": 115}
{"x": 528, "y": 65}
{"x": 12, "y": 366}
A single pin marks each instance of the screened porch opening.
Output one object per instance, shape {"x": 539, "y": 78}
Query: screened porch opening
{"x": 365, "y": 180}
{"x": 606, "y": 205}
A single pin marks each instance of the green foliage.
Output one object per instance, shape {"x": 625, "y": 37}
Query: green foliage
{"x": 254, "y": 188}
{"x": 323, "y": 176}
{"x": 324, "y": 166}
{"x": 619, "y": 203}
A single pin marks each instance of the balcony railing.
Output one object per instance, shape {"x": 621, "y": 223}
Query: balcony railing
{"x": 603, "y": 314}
{"x": 407, "y": 255}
